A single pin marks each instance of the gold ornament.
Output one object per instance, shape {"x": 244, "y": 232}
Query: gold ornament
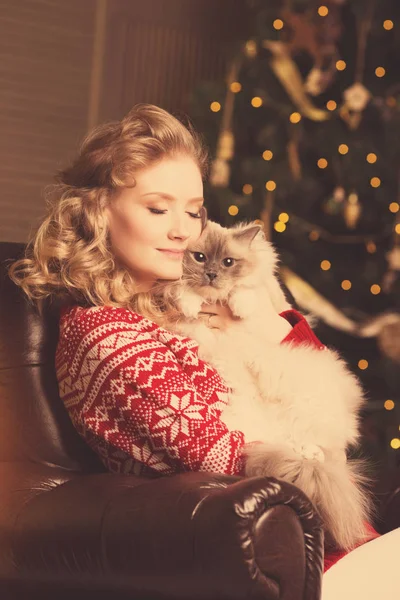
{"x": 352, "y": 211}
{"x": 220, "y": 173}
{"x": 289, "y": 75}
{"x": 220, "y": 169}
{"x": 389, "y": 341}
{"x": 250, "y": 49}
{"x": 356, "y": 97}
{"x": 389, "y": 278}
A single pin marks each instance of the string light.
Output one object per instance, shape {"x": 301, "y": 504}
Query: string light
{"x": 380, "y": 72}
{"x": 270, "y": 185}
{"x": 394, "y": 207}
{"x": 235, "y": 87}
{"x": 331, "y": 105}
{"x": 278, "y": 24}
{"x": 372, "y": 158}
{"x": 343, "y": 149}
{"x": 371, "y": 247}
{"x": 375, "y": 289}
{"x": 391, "y": 101}
{"x": 267, "y": 155}
{"x": 341, "y": 65}
{"x": 215, "y": 106}
{"x": 363, "y": 364}
{"x": 247, "y": 189}
{"x": 375, "y": 182}
{"x": 323, "y": 11}
{"x": 388, "y": 24}
{"x": 322, "y": 163}
{"x": 295, "y": 117}
{"x": 325, "y": 265}
{"x": 395, "y": 443}
{"x": 233, "y": 210}
{"x": 313, "y": 236}
{"x": 283, "y": 217}
{"x": 346, "y": 284}
{"x": 397, "y": 228}
{"x": 256, "y": 101}
{"x": 279, "y": 226}
{"x": 389, "y": 404}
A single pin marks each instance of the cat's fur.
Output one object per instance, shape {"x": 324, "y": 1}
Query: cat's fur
{"x": 301, "y": 402}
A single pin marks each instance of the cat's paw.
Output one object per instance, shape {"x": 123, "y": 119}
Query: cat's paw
{"x": 309, "y": 451}
{"x": 243, "y": 303}
{"x": 190, "y": 304}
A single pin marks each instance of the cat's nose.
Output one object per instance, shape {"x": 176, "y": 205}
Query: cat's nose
{"x": 211, "y": 276}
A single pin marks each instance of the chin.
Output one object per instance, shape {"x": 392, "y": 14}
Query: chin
{"x": 170, "y": 274}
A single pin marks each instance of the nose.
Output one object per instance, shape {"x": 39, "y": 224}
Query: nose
{"x": 211, "y": 276}
{"x": 178, "y": 229}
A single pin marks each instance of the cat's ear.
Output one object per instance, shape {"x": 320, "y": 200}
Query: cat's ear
{"x": 247, "y": 234}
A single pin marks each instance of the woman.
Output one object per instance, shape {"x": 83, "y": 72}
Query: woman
{"x": 122, "y": 216}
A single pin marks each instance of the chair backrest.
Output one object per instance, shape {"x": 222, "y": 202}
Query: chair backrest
{"x": 34, "y": 425}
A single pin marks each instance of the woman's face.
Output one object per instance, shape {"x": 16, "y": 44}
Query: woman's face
{"x": 152, "y": 223}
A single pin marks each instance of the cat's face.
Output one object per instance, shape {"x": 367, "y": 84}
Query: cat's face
{"x": 220, "y": 259}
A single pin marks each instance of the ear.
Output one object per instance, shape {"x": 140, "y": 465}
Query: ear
{"x": 247, "y": 234}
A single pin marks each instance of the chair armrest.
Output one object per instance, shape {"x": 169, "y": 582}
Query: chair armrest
{"x": 387, "y": 495}
{"x": 192, "y": 535}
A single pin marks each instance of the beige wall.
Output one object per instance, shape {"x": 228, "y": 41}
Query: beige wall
{"x": 45, "y": 72}
{"x": 67, "y": 64}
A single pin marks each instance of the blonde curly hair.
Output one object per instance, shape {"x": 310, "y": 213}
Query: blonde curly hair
{"x": 68, "y": 258}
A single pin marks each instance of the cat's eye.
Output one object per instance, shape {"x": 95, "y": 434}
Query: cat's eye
{"x": 199, "y": 256}
{"x": 228, "y": 262}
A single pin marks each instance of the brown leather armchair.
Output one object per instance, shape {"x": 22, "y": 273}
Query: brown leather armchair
{"x": 68, "y": 529}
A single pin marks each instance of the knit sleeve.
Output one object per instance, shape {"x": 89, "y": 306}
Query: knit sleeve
{"x": 143, "y": 413}
{"x": 301, "y": 331}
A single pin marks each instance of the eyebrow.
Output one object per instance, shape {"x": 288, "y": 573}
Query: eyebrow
{"x": 169, "y": 197}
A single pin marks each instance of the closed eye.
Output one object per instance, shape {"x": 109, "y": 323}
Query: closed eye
{"x": 157, "y": 211}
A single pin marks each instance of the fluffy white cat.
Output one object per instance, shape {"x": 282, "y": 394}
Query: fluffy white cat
{"x": 300, "y": 402}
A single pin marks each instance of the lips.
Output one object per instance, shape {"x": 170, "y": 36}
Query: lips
{"x": 173, "y": 254}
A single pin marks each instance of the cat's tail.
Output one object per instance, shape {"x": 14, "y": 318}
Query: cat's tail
{"x": 337, "y": 488}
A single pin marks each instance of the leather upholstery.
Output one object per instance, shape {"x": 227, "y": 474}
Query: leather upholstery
{"x": 69, "y": 528}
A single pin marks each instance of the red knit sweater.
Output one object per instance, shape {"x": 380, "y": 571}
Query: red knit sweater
{"x": 141, "y": 397}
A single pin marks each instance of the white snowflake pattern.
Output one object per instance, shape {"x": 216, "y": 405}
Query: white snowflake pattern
{"x": 151, "y": 458}
{"x": 178, "y": 415}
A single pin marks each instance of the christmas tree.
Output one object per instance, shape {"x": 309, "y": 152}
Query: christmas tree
{"x": 305, "y": 135}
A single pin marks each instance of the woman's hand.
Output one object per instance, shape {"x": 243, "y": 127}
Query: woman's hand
{"x": 217, "y": 315}
{"x": 273, "y": 328}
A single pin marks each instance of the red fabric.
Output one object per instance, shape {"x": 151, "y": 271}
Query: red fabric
{"x": 301, "y": 332}
{"x": 141, "y": 397}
